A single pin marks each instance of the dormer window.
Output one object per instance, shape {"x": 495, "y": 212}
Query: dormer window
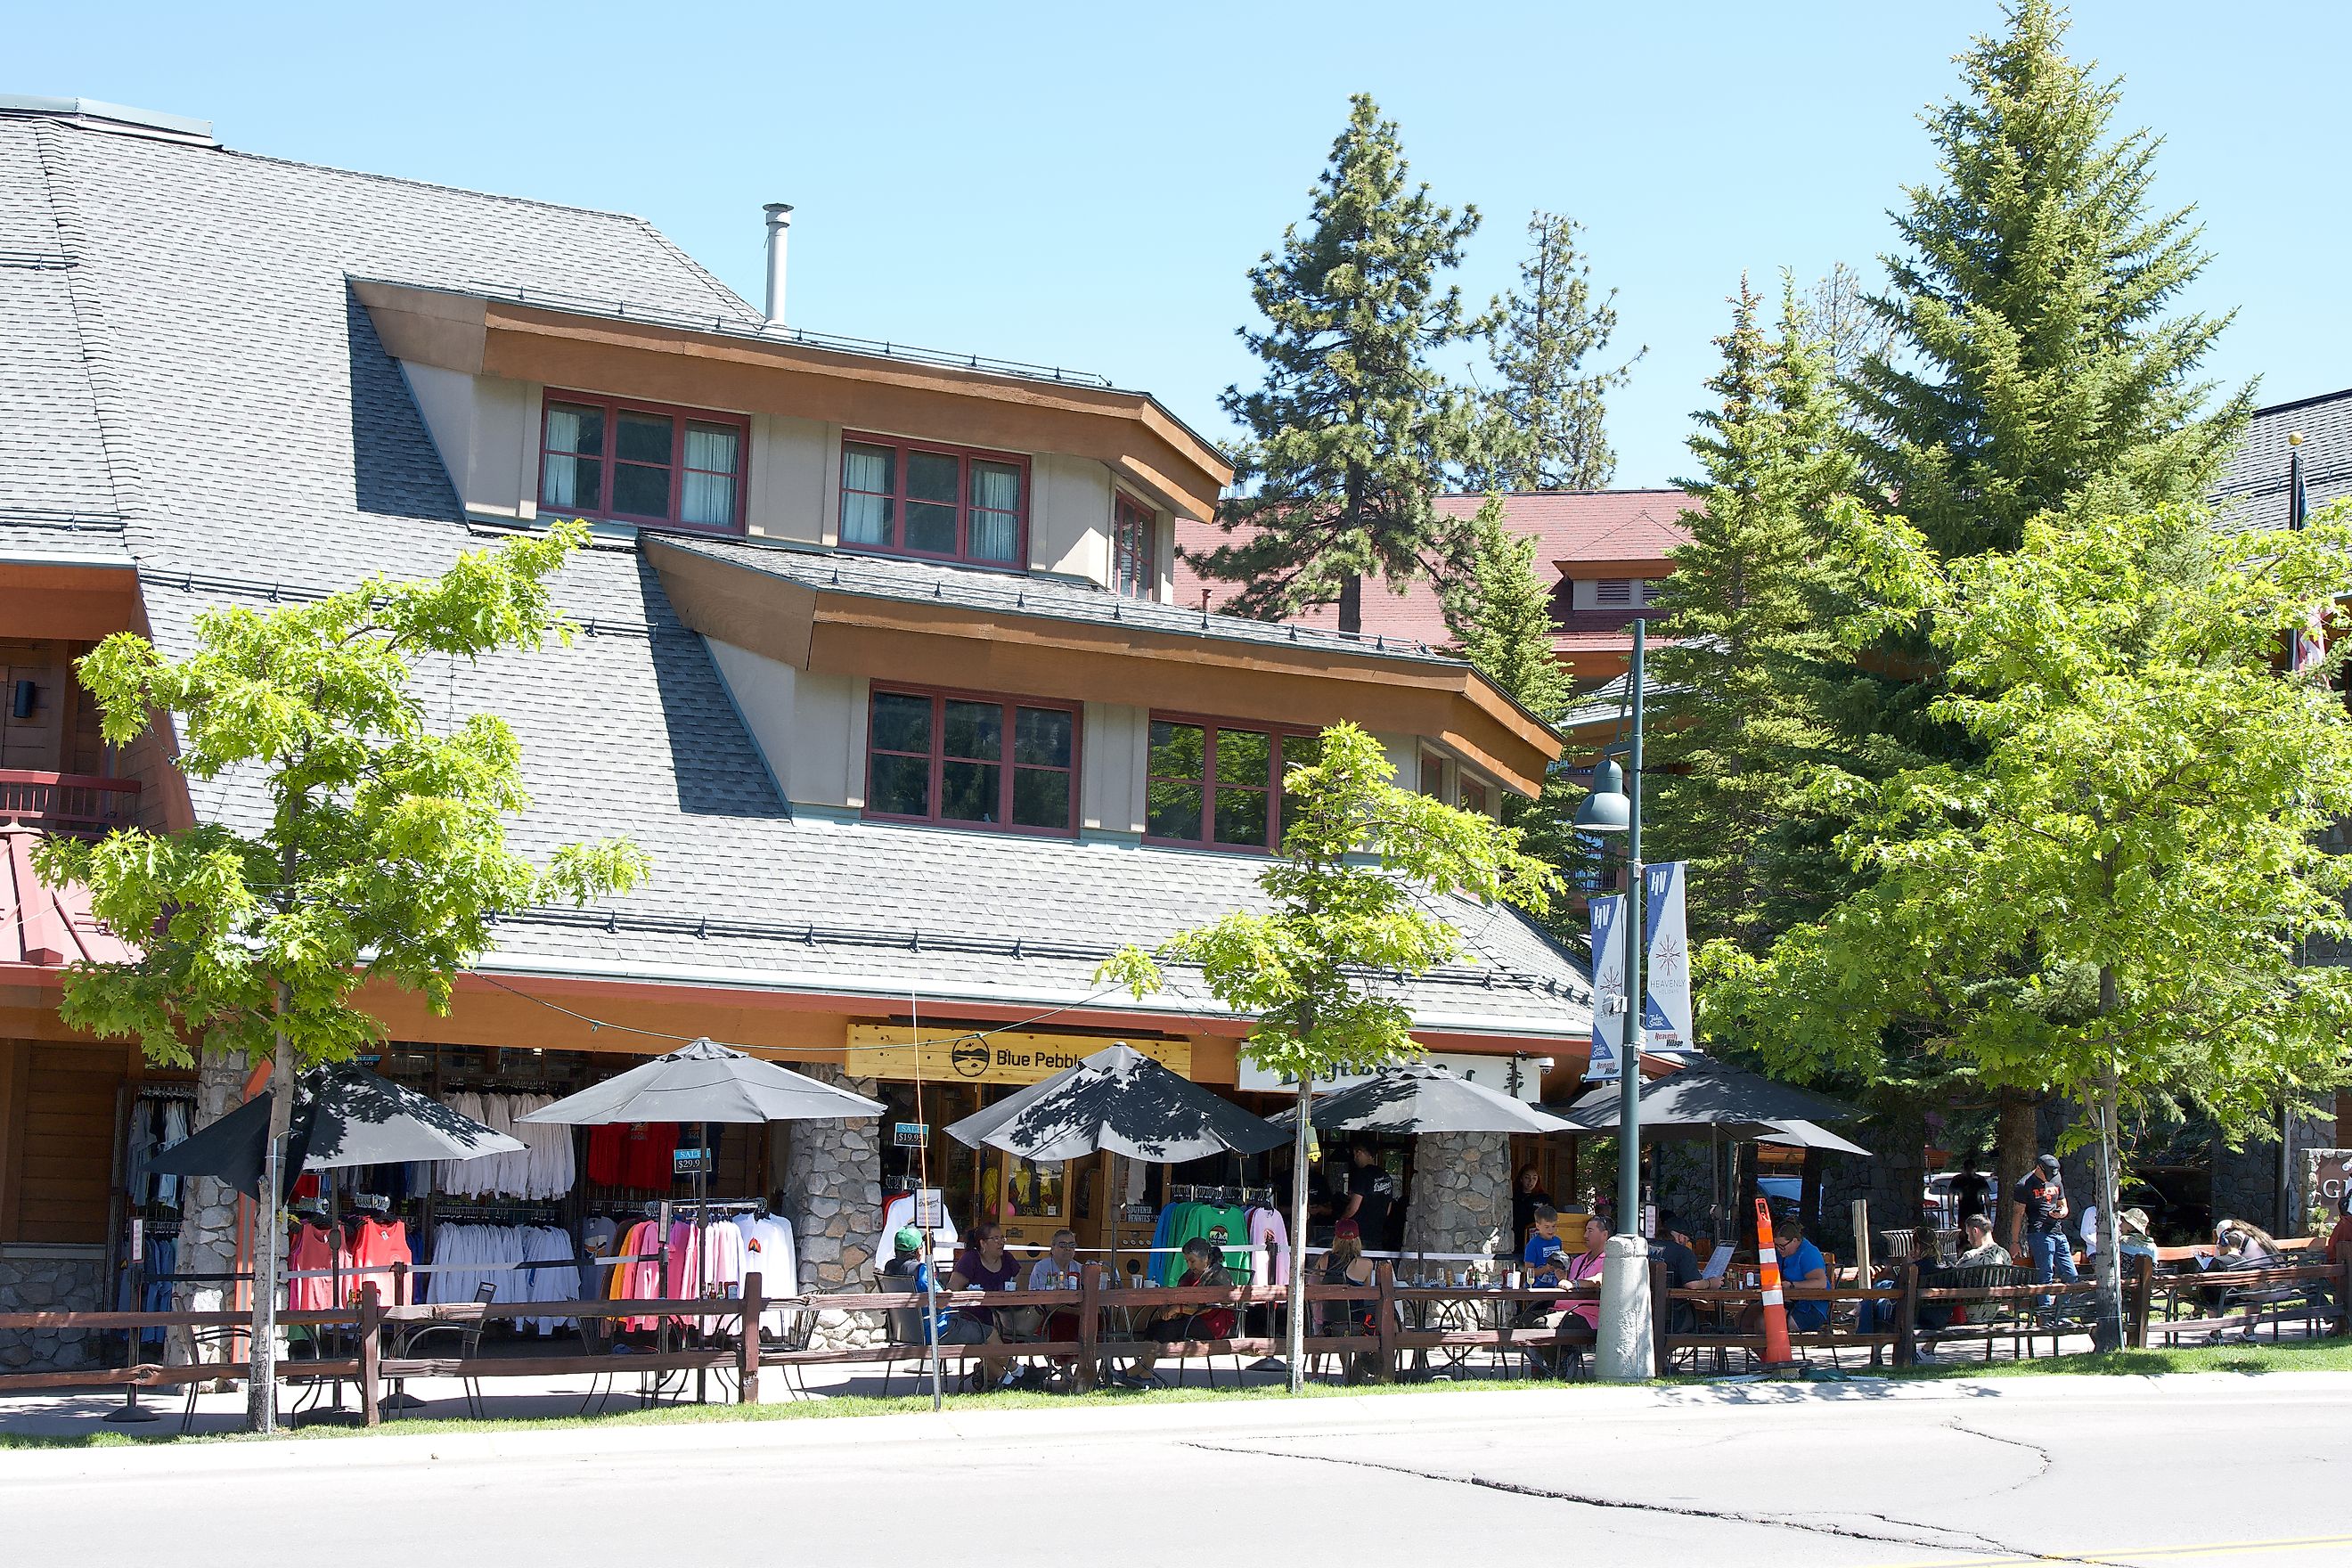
{"x": 636, "y": 462}
{"x": 1134, "y": 563}
{"x": 946, "y": 503}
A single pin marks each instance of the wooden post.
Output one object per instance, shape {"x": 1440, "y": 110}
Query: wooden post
{"x": 1089, "y": 1314}
{"x": 1662, "y": 1315}
{"x": 2143, "y": 1288}
{"x": 1906, "y": 1320}
{"x": 371, "y": 1356}
{"x": 399, "y": 1284}
{"x": 1384, "y": 1279}
{"x": 747, "y": 1344}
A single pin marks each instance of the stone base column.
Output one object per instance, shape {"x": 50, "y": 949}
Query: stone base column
{"x": 1461, "y": 1198}
{"x": 208, "y": 1225}
{"x": 833, "y": 1195}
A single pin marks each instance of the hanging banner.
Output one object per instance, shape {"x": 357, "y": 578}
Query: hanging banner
{"x": 1517, "y": 1076}
{"x": 1607, "y": 985}
{"x": 1666, "y": 960}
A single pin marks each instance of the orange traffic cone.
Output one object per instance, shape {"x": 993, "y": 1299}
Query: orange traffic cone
{"x": 1776, "y": 1315}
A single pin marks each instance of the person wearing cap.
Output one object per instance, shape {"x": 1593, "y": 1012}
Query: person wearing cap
{"x": 2132, "y": 1239}
{"x": 2038, "y": 1223}
{"x": 906, "y": 1256}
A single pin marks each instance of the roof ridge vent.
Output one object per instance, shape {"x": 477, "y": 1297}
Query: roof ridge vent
{"x": 95, "y": 115}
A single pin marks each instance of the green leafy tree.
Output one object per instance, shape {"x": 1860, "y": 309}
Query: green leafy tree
{"x": 2143, "y": 826}
{"x": 1500, "y": 614}
{"x": 2039, "y": 368}
{"x": 1549, "y": 414}
{"x": 1739, "y": 715}
{"x": 383, "y": 856}
{"x": 1351, "y": 914}
{"x": 1352, "y": 432}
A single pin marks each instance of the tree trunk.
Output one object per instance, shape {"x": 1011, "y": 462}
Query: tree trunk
{"x": 2015, "y": 1139}
{"x": 261, "y": 1386}
{"x": 1352, "y": 604}
{"x": 1295, "y": 1348}
{"x": 2110, "y": 1333}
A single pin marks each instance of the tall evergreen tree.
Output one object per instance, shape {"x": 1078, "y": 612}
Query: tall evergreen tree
{"x": 1739, "y": 721}
{"x": 2041, "y": 366}
{"x": 1547, "y": 430}
{"x": 1500, "y": 614}
{"x": 1352, "y": 433}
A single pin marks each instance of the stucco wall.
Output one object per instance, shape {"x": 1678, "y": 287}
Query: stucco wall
{"x": 793, "y": 480}
{"x": 485, "y": 430}
{"x": 1113, "y": 753}
{"x": 1069, "y": 517}
{"x": 810, "y": 727}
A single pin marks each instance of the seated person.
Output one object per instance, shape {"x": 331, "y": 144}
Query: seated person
{"x": 2238, "y": 1245}
{"x": 1548, "y": 1264}
{"x": 1801, "y": 1266}
{"x": 1346, "y": 1264}
{"x": 906, "y": 1258}
{"x": 982, "y": 1266}
{"x": 1879, "y": 1317}
{"x": 1060, "y": 1271}
{"x": 1978, "y": 1248}
{"x": 1684, "y": 1270}
{"x": 2132, "y": 1239}
{"x": 1205, "y": 1265}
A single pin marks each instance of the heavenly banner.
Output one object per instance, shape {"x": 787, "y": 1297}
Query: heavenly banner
{"x": 1607, "y": 985}
{"x": 1665, "y": 961}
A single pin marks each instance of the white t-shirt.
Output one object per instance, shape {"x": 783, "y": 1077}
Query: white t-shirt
{"x": 1043, "y": 1275}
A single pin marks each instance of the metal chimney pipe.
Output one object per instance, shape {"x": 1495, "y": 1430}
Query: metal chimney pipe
{"x": 780, "y": 223}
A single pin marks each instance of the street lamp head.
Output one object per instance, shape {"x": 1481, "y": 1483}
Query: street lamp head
{"x": 1606, "y": 809}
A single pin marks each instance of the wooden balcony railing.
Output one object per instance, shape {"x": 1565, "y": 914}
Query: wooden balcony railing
{"x": 66, "y": 803}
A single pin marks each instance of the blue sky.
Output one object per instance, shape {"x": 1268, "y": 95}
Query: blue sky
{"x": 1084, "y": 185}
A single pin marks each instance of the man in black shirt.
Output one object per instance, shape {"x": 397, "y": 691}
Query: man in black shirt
{"x": 1372, "y": 1196}
{"x": 2038, "y": 1215}
{"x": 1673, "y": 1248}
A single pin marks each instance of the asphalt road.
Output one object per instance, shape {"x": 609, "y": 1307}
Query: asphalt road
{"x": 2210, "y": 1470}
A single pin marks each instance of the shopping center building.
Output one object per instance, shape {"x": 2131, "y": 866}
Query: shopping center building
{"x": 877, "y": 658}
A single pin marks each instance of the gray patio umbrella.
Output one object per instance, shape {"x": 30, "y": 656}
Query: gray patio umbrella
{"x": 706, "y": 1082}
{"x": 343, "y": 1116}
{"x": 1116, "y": 1101}
{"x": 1420, "y": 1097}
{"x": 1708, "y": 1094}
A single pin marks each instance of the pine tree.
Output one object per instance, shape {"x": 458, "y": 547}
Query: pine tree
{"x": 1548, "y": 414}
{"x": 1501, "y": 616}
{"x": 1352, "y": 433}
{"x": 2039, "y": 366}
{"x": 1737, "y": 717}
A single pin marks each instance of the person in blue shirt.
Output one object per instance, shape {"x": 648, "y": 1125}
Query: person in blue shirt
{"x": 1801, "y": 1263}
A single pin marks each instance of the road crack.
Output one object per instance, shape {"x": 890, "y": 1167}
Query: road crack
{"x": 1901, "y": 1531}
{"x": 2046, "y": 1458}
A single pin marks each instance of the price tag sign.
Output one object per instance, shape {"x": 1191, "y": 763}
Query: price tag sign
{"x": 686, "y": 1162}
{"x": 931, "y": 1213}
{"x": 911, "y": 1134}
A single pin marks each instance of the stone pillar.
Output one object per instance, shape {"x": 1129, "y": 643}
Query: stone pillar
{"x": 832, "y": 1191}
{"x": 1461, "y": 1198}
{"x": 208, "y": 1209}
{"x": 50, "y": 1279}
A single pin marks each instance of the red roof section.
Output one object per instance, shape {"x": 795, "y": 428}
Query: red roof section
{"x": 43, "y": 927}
{"x": 1566, "y": 525}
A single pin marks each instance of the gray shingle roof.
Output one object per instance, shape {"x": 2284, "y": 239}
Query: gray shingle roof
{"x": 1013, "y": 593}
{"x": 2253, "y": 490}
{"x": 277, "y": 449}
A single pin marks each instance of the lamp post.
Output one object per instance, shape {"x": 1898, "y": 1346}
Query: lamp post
{"x": 1626, "y": 1353}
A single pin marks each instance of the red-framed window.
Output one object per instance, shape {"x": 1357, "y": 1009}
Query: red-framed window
{"x": 1217, "y": 783}
{"x": 972, "y": 761}
{"x": 1134, "y": 563}
{"x": 1472, "y": 795}
{"x": 947, "y": 503}
{"x": 1432, "y": 775}
{"x": 642, "y": 462}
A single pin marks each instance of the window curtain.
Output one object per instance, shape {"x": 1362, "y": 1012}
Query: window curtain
{"x": 561, "y": 485}
{"x": 995, "y": 534}
{"x": 709, "y": 494}
{"x": 864, "y": 518}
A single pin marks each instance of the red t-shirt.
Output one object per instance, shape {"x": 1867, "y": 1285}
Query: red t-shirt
{"x": 1209, "y": 1323}
{"x": 2339, "y": 1241}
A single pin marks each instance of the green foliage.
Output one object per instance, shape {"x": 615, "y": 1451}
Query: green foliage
{"x": 1738, "y": 713}
{"x": 2039, "y": 371}
{"x": 2110, "y": 901}
{"x": 1547, "y": 431}
{"x": 1351, "y": 433}
{"x": 1500, "y": 614}
{"x": 1350, "y": 891}
{"x": 384, "y": 855}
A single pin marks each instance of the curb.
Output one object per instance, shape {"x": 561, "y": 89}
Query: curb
{"x": 1418, "y": 1411}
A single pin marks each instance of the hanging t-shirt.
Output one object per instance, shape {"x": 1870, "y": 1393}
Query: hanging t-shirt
{"x": 633, "y": 1154}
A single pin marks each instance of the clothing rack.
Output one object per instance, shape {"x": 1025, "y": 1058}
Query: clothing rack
{"x": 1221, "y": 1197}
{"x": 529, "y": 1213}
